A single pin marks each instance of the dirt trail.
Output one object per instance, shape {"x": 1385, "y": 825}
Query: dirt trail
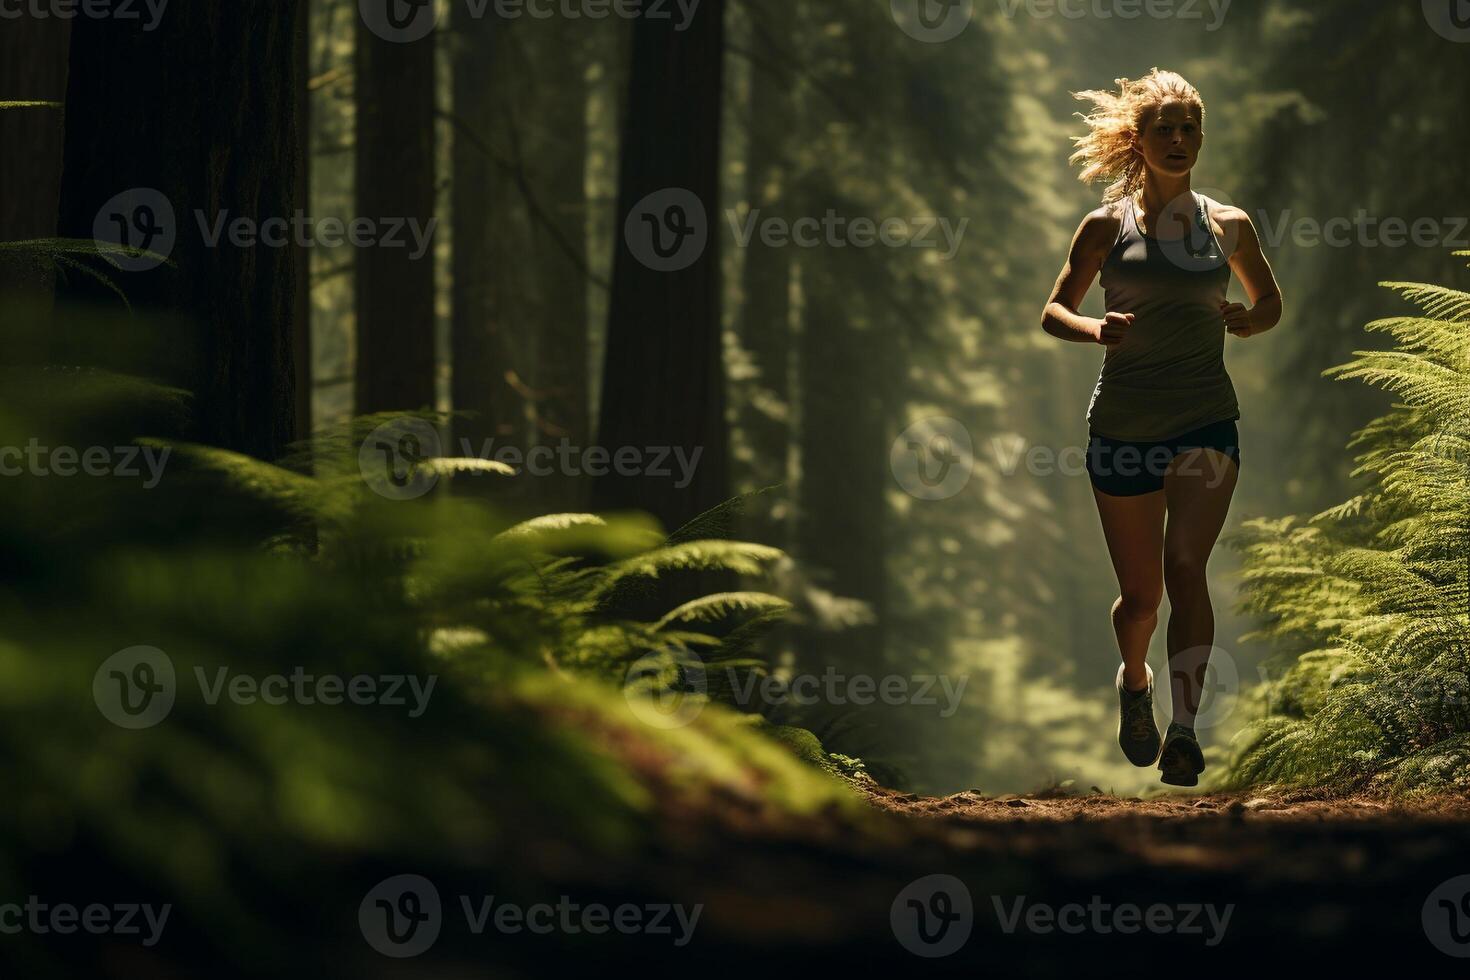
{"x": 1038, "y": 885}
{"x": 1302, "y": 877}
{"x": 1269, "y": 804}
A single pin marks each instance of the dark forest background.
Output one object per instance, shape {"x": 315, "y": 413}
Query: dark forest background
{"x": 529, "y": 141}
{"x": 841, "y": 434}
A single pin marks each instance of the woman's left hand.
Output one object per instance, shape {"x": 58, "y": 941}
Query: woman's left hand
{"x": 1237, "y": 319}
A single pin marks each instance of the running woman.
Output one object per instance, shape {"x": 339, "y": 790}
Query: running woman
{"x": 1162, "y": 433}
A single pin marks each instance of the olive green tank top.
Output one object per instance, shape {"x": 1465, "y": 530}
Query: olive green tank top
{"x": 1168, "y": 376}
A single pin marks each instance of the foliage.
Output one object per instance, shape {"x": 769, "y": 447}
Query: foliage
{"x": 265, "y": 823}
{"x": 1367, "y": 602}
{"x": 68, "y": 255}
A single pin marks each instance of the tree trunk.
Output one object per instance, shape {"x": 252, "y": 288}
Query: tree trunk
{"x": 560, "y": 377}
{"x": 844, "y": 461}
{"x": 765, "y": 319}
{"x": 135, "y": 119}
{"x": 32, "y": 69}
{"x": 479, "y": 353}
{"x": 301, "y": 349}
{"x": 395, "y": 181}
{"x": 663, "y": 381}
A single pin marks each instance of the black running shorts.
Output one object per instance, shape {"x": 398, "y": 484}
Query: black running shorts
{"x": 1128, "y": 469}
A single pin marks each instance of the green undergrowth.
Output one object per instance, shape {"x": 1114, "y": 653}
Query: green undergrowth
{"x": 1366, "y": 605}
{"x": 548, "y": 715}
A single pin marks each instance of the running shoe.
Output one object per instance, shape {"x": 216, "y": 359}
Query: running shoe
{"x": 1181, "y": 760}
{"x": 1138, "y": 736}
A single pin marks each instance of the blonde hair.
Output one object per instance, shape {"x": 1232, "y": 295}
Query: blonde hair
{"x": 1106, "y": 151}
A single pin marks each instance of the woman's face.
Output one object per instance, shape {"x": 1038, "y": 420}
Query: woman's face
{"x": 1170, "y": 139}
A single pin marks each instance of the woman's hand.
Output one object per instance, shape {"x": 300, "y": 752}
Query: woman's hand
{"x": 1112, "y": 330}
{"x": 1237, "y": 319}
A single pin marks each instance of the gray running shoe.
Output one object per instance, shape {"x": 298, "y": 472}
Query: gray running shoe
{"x": 1138, "y": 736}
{"x": 1181, "y": 760}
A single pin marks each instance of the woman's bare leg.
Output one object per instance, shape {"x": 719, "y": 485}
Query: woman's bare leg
{"x": 1198, "y": 488}
{"x": 1134, "y": 529}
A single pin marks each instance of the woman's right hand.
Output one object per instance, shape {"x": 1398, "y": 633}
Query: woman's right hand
{"x": 1111, "y": 331}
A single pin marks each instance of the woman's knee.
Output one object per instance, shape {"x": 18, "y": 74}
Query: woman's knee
{"x": 1139, "y": 603}
{"x": 1183, "y": 572}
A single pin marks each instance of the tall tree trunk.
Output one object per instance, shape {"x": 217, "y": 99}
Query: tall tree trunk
{"x": 663, "y": 381}
{"x": 479, "y": 354}
{"x": 561, "y": 371}
{"x": 395, "y": 180}
{"x": 32, "y": 69}
{"x": 135, "y": 119}
{"x": 844, "y": 460}
{"x": 765, "y": 319}
{"x": 301, "y": 349}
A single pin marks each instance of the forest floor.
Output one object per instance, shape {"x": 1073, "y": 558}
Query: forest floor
{"x": 1268, "y": 804}
{"x": 1037, "y": 885}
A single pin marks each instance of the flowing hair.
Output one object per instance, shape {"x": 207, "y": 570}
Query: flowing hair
{"x": 1106, "y": 150}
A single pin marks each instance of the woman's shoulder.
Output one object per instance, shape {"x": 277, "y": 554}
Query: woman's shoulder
{"x": 1230, "y": 222}
{"x": 1109, "y": 212}
{"x": 1223, "y": 211}
{"x": 1101, "y": 225}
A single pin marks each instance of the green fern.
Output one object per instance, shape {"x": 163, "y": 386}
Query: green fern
{"x": 68, "y": 254}
{"x": 1367, "y": 602}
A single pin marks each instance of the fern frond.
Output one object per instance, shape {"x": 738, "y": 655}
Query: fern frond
{"x": 710, "y": 555}
{"x": 450, "y": 466}
{"x": 1440, "y": 302}
{"x": 712, "y": 608}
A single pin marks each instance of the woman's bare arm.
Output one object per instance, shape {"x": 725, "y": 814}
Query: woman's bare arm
{"x": 1090, "y": 247}
{"x": 1254, "y": 272}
